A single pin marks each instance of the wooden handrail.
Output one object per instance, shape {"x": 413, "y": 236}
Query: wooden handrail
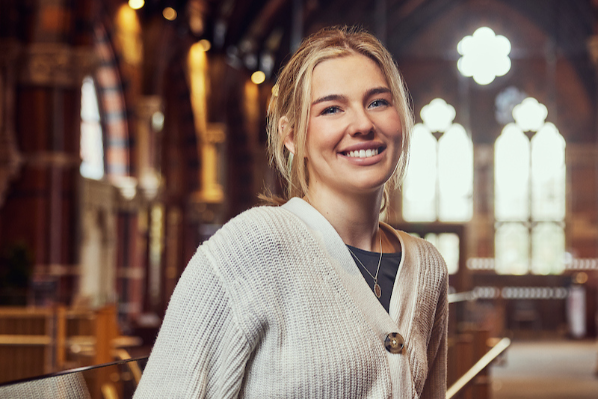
{"x": 18, "y": 312}
{"x": 478, "y": 367}
{"x": 461, "y": 297}
{"x": 75, "y": 370}
{"x": 122, "y": 354}
{"x": 26, "y": 340}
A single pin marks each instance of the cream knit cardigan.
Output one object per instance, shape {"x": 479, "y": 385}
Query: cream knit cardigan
{"x": 273, "y": 306}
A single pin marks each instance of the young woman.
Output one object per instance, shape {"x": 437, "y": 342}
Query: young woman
{"x": 315, "y": 298}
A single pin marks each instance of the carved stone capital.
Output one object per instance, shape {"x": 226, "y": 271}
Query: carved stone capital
{"x": 98, "y": 194}
{"x": 59, "y": 65}
{"x": 147, "y": 106}
{"x": 55, "y": 270}
{"x": 203, "y": 212}
{"x": 127, "y": 199}
{"x": 215, "y": 133}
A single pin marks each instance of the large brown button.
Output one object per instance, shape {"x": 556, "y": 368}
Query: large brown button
{"x": 394, "y": 343}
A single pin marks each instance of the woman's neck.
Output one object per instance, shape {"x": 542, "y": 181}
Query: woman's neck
{"x": 354, "y": 217}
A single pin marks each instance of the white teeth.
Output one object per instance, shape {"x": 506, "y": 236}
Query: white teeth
{"x": 363, "y": 153}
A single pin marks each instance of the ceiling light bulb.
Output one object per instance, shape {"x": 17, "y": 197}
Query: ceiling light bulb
{"x": 136, "y": 4}
{"x": 169, "y": 13}
{"x": 258, "y": 77}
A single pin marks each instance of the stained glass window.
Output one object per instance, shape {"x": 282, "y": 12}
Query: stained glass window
{"x": 448, "y": 246}
{"x": 548, "y": 248}
{"x": 530, "y": 194}
{"x": 485, "y": 55}
{"x": 419, "y": 188}
{"x": 455, "y": 175}
{"x": 511, "y": 177}
{"x": 548, "y": 174}
{"x": 512, "y": 248}
{"x": 439, "y": 180}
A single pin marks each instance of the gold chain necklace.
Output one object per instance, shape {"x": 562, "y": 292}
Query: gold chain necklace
{"x": 377, "y": 289}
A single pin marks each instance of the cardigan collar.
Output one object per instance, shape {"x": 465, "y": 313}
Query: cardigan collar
{"x": 401, "y": 312}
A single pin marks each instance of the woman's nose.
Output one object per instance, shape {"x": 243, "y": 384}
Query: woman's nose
{"x": 361, "y": 124}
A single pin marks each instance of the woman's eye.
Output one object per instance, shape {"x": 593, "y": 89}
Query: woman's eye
{"x": 379, "y": 103}
{"x": 330, "y": 110}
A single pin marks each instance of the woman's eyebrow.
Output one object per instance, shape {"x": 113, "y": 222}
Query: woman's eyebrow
{"x": 377, "y": 90}
{"x": 330, "y": 97}
{"x": 339, "y": 97}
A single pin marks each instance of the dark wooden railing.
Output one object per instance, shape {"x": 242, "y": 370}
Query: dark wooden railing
{"x": 480, "y": 365}
{"x": 471, "y": 350}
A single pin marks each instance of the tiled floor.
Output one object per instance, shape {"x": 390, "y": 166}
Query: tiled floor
{"x": 547, "y": 370}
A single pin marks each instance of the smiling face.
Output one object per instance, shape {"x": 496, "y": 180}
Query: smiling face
{"x": 354, "y": 132}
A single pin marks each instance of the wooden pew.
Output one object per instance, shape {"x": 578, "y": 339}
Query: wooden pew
{"x": 27, "y": 342}
{"x": 36, "y": 341}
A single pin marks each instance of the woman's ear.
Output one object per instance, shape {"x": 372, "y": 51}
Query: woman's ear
{"x": 287, "y": 133}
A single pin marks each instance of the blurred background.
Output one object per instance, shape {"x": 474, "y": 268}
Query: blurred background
{"x": 130, "y": 131}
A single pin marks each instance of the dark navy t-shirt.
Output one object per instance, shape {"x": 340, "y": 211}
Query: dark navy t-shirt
{"x": 389, "y": 267}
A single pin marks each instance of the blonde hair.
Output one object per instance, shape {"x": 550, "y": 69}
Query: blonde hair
{"x": 291, "y": 98}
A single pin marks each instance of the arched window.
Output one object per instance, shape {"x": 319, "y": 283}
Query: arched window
{"x": 511, "y": 177}
{"x": 92, "y": 149}
{"x": 419, "y": 187}
{"x": 439, "y": 180}
{"x": 529, "y": 190}
{"x": 455, "y": 175}
{"x": 438, "y": 184}
{"x": 548, "y": 174}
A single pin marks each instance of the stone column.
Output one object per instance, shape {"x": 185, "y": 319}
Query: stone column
{"x": 481, "y": 227}
{"x": 40, "y": 208}
{"x": 10, "y": 158}
{"x": 149, "y": 122}
{"x": 97, "y": 282}
{"x": 591, "y": 157}
{"x": 588, "y": 156}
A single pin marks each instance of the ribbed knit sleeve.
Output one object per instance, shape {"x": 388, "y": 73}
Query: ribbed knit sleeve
{"x": 435, "y": 385}
{"x": 200, "y": 351}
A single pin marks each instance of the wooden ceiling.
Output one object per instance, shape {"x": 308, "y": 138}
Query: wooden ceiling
{"x": 249, "y": 30}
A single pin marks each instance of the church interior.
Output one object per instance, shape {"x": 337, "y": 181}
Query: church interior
{"x": 131, "y": 130}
